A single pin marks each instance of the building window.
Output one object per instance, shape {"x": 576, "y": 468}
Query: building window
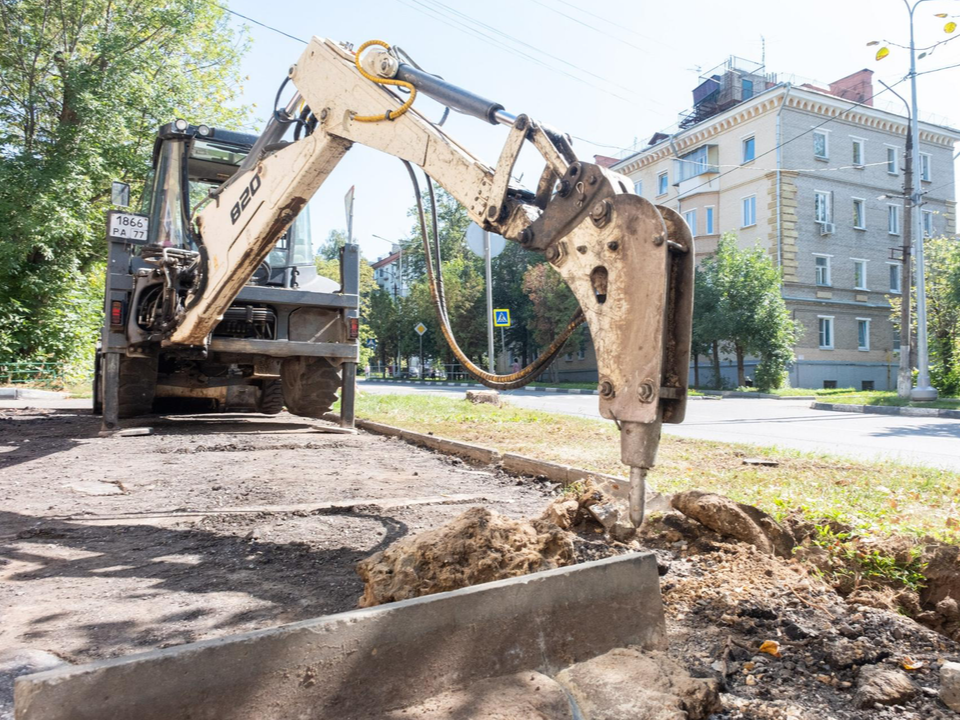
{"x": 568, "y": 357}
{"x": 821, "y": 147}
{"x": 693, "y": 164}
{"x": 821, "y": 207}
{"x": 582, "y": 353}
{"x": 749, "y": 211}
{"x": 863, "y": 334}
{"x": 859, "y": 220}
{"x": 826, "y": 332}
{"x": 860, "y": 274}
{"x": 829, "y": 384}
{"x": 866, "y": 385}
{"x": 747, "y": 86}
{"x": 662, "y": 182}
{"x": 691, "y": 217}
{"x": 638, "y": 187}
{"x": 749, "y": 149}
{"x": 892, "y": 168}
{"x": 858, "y": 152}
{"x": 823, "y": 270}
{"x": 893, "y": 219}
{"x": 708, "y": 220}
{"x": 894, "y": 270}
{"x": 925, "y": 167}
{"x": 927, "y": 216}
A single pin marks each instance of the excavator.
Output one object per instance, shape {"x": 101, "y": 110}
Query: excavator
{"x": 628, "y": 262}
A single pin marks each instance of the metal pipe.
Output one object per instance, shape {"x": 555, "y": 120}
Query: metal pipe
{"x": 450, "y": 95}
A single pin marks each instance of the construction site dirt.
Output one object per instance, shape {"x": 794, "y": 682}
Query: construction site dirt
{"x": 215, "y": 525}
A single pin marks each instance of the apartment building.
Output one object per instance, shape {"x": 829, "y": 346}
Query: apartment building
{"x": 387, "y": 272}
{"x": 813, "y": 178}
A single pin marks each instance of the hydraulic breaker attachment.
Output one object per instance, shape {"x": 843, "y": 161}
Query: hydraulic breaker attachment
{"x": 630, "y": 266}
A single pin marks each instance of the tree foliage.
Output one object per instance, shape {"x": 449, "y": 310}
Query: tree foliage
{"x": 83, "y": 86}
{"x": 743, "y": 311}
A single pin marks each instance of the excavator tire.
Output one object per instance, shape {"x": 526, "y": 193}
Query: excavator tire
{"x": 138, "y": 385}
{"x": 271, "y": 397}
{"x": 309, "y": 385}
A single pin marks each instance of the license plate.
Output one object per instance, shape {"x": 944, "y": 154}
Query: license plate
{"x": 129, "y": 227}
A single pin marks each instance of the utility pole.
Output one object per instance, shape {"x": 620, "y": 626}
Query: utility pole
{"x": 486, "y": 259}
{"x": 923, "y": 391}
{"x": 905, "y": 371}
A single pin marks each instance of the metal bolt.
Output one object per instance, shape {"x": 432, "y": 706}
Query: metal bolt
{"x": 564, "y": 189}
{"x": 520, "y": 123}
{"x": 613, "y": 245}
{"x": 324, "y": 113}
{"x": 291, "y": 70}
{"x": 658, "y": 240}
{"x": 526, "y": 237}
{"x": 592, "y": 180}
{"x": 599, "y": 210}
{"x": 606, "y": 389}
{"x": 646, "y": 392}
{"x": 553, "y": 252}
{"x": 493, "y": 212}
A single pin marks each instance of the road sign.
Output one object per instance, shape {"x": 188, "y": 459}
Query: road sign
{"x": 420, "y": 328}
{"x": 475, "y": 241}
{"x": 501, "y": 318}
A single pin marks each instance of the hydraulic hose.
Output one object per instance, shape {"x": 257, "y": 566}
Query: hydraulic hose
{"x": 512, "y": 381}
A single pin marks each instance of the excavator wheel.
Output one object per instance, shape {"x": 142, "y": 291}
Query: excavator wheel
{"x": 271, "y": 397}
{"x": 138, "y": 385}
{"x": 309, "y": 385}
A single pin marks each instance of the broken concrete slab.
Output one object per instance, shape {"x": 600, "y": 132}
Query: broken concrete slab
{"x": 17, "y": 661}
{"x": 529, "y": 695}
{"x": 363, "y": 663}
{"x": 477, "y": 397}
{"x": 97, "y": 488}
{"x": 627, "y": 684}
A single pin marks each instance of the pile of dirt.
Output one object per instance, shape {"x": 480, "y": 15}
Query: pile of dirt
{"x": 477, "y": 547}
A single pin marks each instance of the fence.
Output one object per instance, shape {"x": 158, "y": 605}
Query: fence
{"x": 35, "y": 373}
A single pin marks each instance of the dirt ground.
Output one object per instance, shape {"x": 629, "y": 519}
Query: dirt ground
{"x": 210, "y": 526}
{"x": 218, "y": 525}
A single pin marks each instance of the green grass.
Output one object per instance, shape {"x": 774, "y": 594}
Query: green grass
{"x": 882, "y": 397}
{"x": 875, "y": 498}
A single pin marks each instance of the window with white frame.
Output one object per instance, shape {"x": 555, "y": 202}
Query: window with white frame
{"x": 893, "y": 219}
{"x": 892, "y": 160}
{"x": 691, "y": 217}
{"x": 749, "y": 211}
{"x": 822, "y": 211}
{"x": 708, "y": 220}
{"x": 894, "y": 271}
{"x": 638, "y": 187}
{"x": 663, "y": 182}
{"x": 863, "y": 333}
{"x": 927, "y": 217}
{"x": 749, "y": 149}
{"x": 859, "y": 217}
{"x": 693, "y": 164}
{"x": 859, "y": 274}
{"x": 825, "y": 323}
{"x": 821, "y": 145}
{"x": 822, "y": 264}
{"x": 858, "y": 152}
{"x": 925, "y": 167}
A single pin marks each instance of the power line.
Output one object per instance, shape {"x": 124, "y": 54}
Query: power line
{"x": 261, "y": 24}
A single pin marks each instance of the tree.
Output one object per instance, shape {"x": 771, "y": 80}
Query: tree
{"x": 750, "y": 316}
{"x": 707, "y": 324}
{"x": 83, "y": 86}
{"x": 942, "y": 257}
{"x": 553, "y": 306}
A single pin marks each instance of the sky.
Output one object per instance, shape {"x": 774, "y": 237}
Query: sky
{"x": 608, "y": 72}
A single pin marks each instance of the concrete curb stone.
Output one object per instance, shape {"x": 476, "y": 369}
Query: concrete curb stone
{"x": 559, "y": 391}
{"x": 887, "y": 410}
{"x": 28, "y": 394}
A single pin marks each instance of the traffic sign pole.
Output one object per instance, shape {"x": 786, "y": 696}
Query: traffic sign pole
{"x": 486, "y": 258}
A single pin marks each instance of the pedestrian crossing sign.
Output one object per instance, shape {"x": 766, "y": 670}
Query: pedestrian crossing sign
{"x": 501, "y": 318}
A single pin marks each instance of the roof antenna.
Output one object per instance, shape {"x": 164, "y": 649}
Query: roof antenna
{"x": 763, "y": 52}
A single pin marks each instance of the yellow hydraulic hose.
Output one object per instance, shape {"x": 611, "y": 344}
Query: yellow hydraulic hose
{"x": 390, "y": 114}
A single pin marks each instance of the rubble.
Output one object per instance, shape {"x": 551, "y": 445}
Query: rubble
{"x": 950, "y": 685}
{"x": 883, "y": 686}
{"x": 743, "y": 522}
{"x": 477, "y": 397}
{"x": 628, "y": 684}
{"x": 477, "y": 547}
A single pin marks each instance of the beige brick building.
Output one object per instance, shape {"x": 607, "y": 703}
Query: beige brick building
{"x": 804, "y": 172}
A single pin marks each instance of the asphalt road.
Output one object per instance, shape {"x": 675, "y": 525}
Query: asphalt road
{"x": 773, "y": 423}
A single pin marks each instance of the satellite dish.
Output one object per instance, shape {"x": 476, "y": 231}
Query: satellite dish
{"x": 475, "y": 241}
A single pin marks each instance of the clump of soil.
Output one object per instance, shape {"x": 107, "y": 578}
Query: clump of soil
{"x": 477, "y": 547}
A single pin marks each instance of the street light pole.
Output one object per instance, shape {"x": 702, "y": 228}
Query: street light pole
{"x": 923, "y": 391}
